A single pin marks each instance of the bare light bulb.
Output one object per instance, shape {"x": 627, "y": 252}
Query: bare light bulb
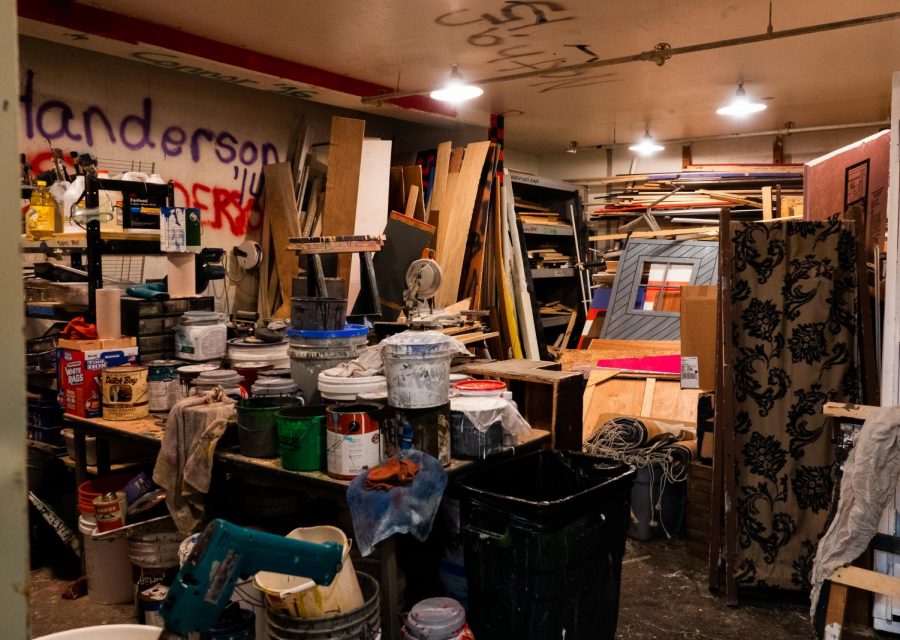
{"x": 741, "y": 105}
{"x": 456, "y": 90}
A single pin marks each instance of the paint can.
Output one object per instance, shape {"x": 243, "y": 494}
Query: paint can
{"x": 353, "y": 438}
{"x": 188, "y": 373}
{"x": 149, "y": 605}
{"x": 125, "y": 393}
{"x": 109, "y": 511}
{"x": 436, "y": 619}
{"x": 165, "y": 390}
{"x": 426, "y": 430}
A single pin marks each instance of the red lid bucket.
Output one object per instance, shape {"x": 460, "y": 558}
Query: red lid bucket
{"x": 490, "y": 388}
{"x": 88, "y": 491}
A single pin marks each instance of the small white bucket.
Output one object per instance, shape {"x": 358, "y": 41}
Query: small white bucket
{"x": 300, "y": 597}
{"x": 108, "y": 632}
{"x": 348, "y": 389}
{"x": 418, "y": 375}
{"x": 107, "y": 566}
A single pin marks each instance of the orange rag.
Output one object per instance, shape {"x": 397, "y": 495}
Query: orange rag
{"x": 393, "y": 473}
{"x": 79, "y": 329}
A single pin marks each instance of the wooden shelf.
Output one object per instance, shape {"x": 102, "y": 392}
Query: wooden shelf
{"x": 547, "y": 229}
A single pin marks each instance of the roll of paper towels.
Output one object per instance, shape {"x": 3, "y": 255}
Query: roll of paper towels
{"x": 109, "y": 312}
{"x": 182, "y": 281}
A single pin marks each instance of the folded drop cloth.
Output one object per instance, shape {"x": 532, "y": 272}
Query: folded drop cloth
{"x": 184, "y": 465}
{"x": 378, "y": 514}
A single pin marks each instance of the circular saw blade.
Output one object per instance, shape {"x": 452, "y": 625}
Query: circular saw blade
{"x": 428, "y": 274}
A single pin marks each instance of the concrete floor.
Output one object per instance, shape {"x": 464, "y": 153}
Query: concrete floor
{"x": 664, "y": 596}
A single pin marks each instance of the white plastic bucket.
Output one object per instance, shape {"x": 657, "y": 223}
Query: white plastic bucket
{"x": 107, "y": 565}
{"x": 418, "y": 375}
{"x": 300, "y": 597}
{"x": 108, "y": 632}
{"x": 275, "y": 353}
{"x": 348, "y": 389}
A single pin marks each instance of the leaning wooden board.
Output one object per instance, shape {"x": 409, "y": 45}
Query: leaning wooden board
{"x": 476, "y": 246}
{"x": 664, "y": 399}
{"x": 342, "y": 186}
{"x": 284, "y": 223}
{"x": 441, "y": 171}
{"x": 454, "y": 227}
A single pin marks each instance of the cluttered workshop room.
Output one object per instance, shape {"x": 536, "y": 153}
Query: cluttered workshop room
{"x": 494, "y": 320}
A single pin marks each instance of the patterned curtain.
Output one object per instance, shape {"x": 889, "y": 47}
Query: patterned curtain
{"x": 794, "y": 319}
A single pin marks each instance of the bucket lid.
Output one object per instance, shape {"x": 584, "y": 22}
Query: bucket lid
{"x": 278, "y": 372}
{"x": 422, "y": 343}
{"x": 199, "y": 317}
{"x": 218, "y": 376}
{"x": 480, "y": 387}
{"x": 253, "y": 343}
{"x": 201, "y": 368}
{"x": 250, "y": 365}
{"x": 164, "y": 363}
{"x": 349, "y": 331}
{"x": 272, "y": 386}
{"x": 435, "y": 618}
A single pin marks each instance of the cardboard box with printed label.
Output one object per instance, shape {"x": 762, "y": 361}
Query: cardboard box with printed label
{"x": 698, "y": 337}
{"x": 79, "y": 368}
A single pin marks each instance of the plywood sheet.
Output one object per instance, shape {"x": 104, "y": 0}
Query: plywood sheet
{"x": 371, "y": 202}
{"x": 441, "y": 172}
{"x": 284, "y": 223}
{"x": 626, "y": 396}
{"x": 454, "y": 229}
{"x": 342, "y": 186}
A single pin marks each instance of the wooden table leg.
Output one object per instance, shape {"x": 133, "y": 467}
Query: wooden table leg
{"x": 834, "y": 615}
{"x": 80, "y": 456}
{"x": 390, "y": 595}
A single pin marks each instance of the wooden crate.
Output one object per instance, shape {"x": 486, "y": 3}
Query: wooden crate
{"x": 698, "y": 509}
{"x": 547, "y": 397}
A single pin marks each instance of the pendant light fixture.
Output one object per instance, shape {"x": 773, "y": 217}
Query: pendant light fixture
{"x": 647, "y": 146}
{"x": 456, "y": 90}
{"x": 741, "y": 105}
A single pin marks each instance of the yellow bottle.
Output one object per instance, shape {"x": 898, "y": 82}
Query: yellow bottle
{"x": 41, "y": 219}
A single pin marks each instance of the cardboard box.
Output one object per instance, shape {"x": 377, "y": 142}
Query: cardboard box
{"x": 698, "y": 337}
{"x": 79, "y": 368}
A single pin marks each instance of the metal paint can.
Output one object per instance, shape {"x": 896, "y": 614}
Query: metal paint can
{"x": 163, "y": 384}
{"x": 125, "y": 393}
{"x": 109, "y": 511}
{"x": 188, "y": 373}
{"x": 353, "y": 438}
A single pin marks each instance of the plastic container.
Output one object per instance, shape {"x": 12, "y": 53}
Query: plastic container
{"x": 71, "y": 200}
{"x": 106, "y": 564}
{"x": 312, "y": 352}
{"x": 348, "y": 389}
{"x": 468, "y": 443}
{"x": 41, "y": 219}
{"x": 108, "y": 632}
{"x": 228, "y": 379}
{"x": 418, "y": 374}
{"x": 154, "y": 559}
{"x": 45, "y": 421}
{"x": 363, "y": 623}
{"x": 301, "y": 438}
{"x": 252, "y": 350}
{"x": 200, "y": 335}
{"x": 318, "y": 314}
{"x": 300, "y": 597}
{"x": 655, "y": 511}
{"x": 272, "y": 387}
{"x": 480, "y": 388}
{"x": 256, "y": 425}
{"x": 436, "y": 619}
{"x": 91, "y": 489}
{"x": 544, "y": 536}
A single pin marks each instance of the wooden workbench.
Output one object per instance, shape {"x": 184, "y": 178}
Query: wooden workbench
{"x": 150, "y": 431}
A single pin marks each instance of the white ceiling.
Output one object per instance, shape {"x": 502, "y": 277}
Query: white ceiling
{"x": 835, "y": 77}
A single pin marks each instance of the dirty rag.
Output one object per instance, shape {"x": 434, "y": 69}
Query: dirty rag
{"x": 367, "y": 364}
{"x": 79, "y": 329}
{"x": 395, "y": 472}
{"x": 184, "y": 465}
{"x": 377, "y": 515}
{"x": 868, "y": 487}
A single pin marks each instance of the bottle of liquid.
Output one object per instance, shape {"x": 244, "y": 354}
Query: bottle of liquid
{"x": 41, "y": 220}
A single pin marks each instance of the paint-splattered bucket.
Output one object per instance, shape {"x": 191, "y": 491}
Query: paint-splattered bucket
{"x": 418, "y": 375}
{"x": 353, "y": 438}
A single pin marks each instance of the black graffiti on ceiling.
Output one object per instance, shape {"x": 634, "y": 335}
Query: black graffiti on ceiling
{"x": 506, "y": 33}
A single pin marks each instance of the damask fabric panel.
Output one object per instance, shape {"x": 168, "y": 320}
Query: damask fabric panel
{"x": 794, "y": 316}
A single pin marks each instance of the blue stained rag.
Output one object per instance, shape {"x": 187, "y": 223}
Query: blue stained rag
{"x": 378, "y": 514}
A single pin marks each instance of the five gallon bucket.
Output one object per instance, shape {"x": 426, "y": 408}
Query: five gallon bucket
{"x": 301, "y": 438}
{"x": 312, "y": 352}
{"x": 318, "y": 314}
{"x": 108, "y": 632}
{"x": 154, "y": 557}
{"x": 256, "y": 425}
{"x": 106, "y": 565}
{"x": 300, "y": 597}
{"x": 417, "y": 368}
{"x": 362, "y": 623}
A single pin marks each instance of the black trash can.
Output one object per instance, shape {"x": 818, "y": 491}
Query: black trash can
{"x": 544, "y": 536}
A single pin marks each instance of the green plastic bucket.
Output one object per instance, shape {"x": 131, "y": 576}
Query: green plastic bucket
{"x": 301, "y": 438}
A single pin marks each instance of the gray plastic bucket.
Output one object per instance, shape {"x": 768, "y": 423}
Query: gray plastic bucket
{"x": 311, "y": 356}
{"x": 361, "y": 624}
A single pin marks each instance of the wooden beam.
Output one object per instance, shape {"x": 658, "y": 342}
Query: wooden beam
{"x": 441, "y": 171}
{"x": 836, "y": 612}
{"x": 284, "y": 223}
{"x": 342, "y": 183}
{"x": 867, "y": 580}
{"x": 647, "y": 402}
{"x": 767, "y": 203}
{"x": 412, "y": 177}
{"x": 729, "y": 197}
{"x": 842, "y": 410}
{"x": 411, "y": 201}
{"x": 706, "y": 231}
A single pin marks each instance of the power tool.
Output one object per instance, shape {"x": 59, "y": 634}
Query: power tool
{"x": 226, "y": 552}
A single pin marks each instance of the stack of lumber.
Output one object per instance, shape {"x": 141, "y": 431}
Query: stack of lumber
{"x": 549, "y": 257}
{"x": 531, "y": 213}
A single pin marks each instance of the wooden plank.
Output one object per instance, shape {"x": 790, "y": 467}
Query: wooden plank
{"x": 342, "y": 185}
{"x": 853, "y": 411}
{"x": 371, "y": 202}
{"x": 412, "y": 177}
{"x": 859, "y": 578}
{"x": 441, "y": 172}
{"x": 836, "y": 612}
{"x": 647, "y": 402}
{"x": 396, "y": 190}
{"x": 706, "y": 231}
{"x": 411, "y": 201}
{"x": 281, "y": 211}
{"x": 767, "y": 203}
{"x": 724, "y": 196}
{"x": 453, "y": 232}
{"x": 597, "y": 377}
{"x": 477, "y": 244}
